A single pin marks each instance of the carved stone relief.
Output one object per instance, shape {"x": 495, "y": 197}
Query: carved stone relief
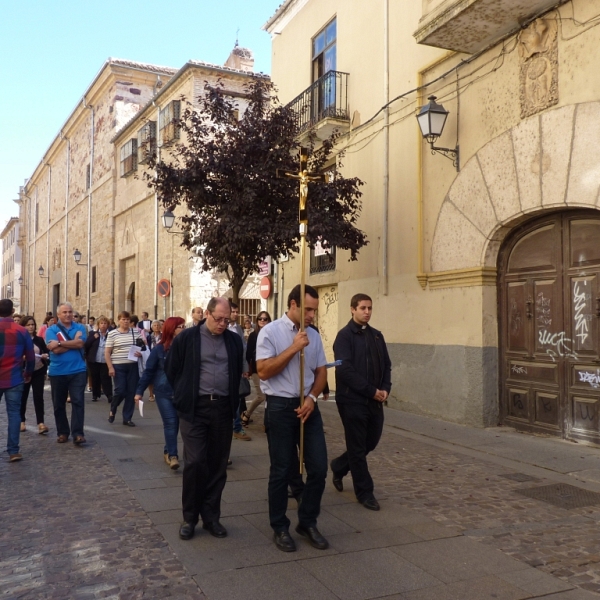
{"x": 538, "y": 49}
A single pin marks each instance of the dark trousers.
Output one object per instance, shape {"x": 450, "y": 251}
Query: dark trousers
{"x": 283, "y": 434}
{"x": 101, "y": 381}
{"x": 206, "y": 445}
{"x": 37, "y": 385}
{"x": 74, "y": 387}
{"x": 127, "y": 377}
{"x": 363, "y": 425}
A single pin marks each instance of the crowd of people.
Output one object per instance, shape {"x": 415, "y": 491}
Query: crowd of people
{"x": 200, "y": 375}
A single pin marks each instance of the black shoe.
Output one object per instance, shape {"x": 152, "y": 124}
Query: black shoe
{"x": 338, "y": 484}
{"x": 284, "y": 541}
{"x": 215, "y": 528}
{"x": 129, "y": 423}
{"x": 94, "y": 399}
{"x": 186, "y": 531}
{"x": 371, "y": 504}
{"x": 315, "y": 539}
{"x": 111, "y": 418}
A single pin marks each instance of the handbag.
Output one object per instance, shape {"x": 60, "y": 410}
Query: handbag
{"x": 245, "y": 389}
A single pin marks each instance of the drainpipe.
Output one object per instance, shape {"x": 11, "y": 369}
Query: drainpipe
{"x": 66, "y": 253}
{"x": 156, "y": 219}
{"x": 386, "y": 143}
{"x": 89, "y": 232}
{"x": 48, "y": 235}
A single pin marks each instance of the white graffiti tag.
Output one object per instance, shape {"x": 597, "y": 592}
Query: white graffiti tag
{"x": 581, "y": 319}
{"x": 519, "y": 370}
{"x": 592, "y": 378}
{"x": 559, "y": 341}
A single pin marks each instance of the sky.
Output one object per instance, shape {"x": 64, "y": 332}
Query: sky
{"x": 51, "y": 50}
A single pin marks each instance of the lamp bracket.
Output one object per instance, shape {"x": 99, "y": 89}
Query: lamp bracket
{"x": 450, "y": 153}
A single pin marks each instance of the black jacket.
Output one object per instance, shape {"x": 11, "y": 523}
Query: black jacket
{"x": 351, "y": 376}
{"x": 91, "y": 345}
{"x": 181, "y": 369}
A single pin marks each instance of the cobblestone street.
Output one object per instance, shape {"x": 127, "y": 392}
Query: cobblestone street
{"x": 101, "y": 521}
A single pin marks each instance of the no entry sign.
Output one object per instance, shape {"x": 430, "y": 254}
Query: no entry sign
{"x": 163, "y": 287}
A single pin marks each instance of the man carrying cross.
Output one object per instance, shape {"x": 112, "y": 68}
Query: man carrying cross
{"x": 277, "y": 362}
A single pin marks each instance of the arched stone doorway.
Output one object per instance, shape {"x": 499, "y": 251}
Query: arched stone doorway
{"x": 549, "y": 309}
{"x": 130, "y": 302}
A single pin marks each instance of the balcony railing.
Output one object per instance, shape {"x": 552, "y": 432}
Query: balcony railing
{"x": 322, "y": 261}
{"x": 326, "y": 98}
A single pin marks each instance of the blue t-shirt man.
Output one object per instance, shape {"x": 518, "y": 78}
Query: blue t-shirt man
{"x": 71, "y": 362}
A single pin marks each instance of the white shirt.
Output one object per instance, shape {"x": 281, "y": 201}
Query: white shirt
{"x": 278, "y": 336}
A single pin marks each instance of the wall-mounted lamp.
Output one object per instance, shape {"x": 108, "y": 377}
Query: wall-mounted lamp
{"x": 168, "y": 220}
{"x": 77, "y": 257}
{"x": 41, "y": 273}
{"x": 20, "y": 280}
{"x": 432, "y": 118}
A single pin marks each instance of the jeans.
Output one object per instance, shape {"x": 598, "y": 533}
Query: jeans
{"x": 283, "y": 433}
{"x": 37, "y": 385}
{"x": 12, "y": 397}
{"x": 126, "y": 379}
{"x": 206, "y": 446}
{"x": 363, "y": 425}
{"x": 170, "y": 423}
{"x": 73, "y": 386}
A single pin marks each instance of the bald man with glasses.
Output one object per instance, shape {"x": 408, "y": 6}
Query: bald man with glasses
{"x": 204, "y": 367}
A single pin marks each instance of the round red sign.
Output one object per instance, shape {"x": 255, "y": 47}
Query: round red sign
{"x": 163, "y": 287}
{"x": 265, "y": 287}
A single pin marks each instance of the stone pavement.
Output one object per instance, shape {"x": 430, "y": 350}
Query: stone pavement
{"x": 102, "y": 521}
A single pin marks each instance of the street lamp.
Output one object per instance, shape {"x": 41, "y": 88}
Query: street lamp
{"x": 20, "y": 280}
{"x": 432, "y": 118}
{"x": 77, "y": 257}
{"x": 41, "y": 273}
{"x": 168, "y": 220}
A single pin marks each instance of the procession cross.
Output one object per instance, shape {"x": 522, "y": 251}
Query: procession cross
{"x": 303, "y": 177}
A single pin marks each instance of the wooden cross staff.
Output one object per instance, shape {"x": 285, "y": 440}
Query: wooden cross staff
{"x": 303, "y": 177}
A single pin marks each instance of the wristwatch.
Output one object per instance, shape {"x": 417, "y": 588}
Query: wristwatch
{"x": 312, "y": 396}
{"x": 59, "y": 342}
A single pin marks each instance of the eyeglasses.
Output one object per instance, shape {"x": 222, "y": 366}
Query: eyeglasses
{"x": 220, "y": 319}
{"x": 180, "y": 327}
{"x": 262, "y": 319}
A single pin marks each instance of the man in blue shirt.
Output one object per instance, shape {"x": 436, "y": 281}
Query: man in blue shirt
{"x": 68, "y": 377}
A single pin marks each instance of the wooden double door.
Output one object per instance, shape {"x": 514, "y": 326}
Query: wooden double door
{"x": 549, "y": 317}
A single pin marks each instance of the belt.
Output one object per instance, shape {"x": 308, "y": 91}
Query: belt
{"x": 212, "y": 397}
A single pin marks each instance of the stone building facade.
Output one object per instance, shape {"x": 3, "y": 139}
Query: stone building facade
{"x": 79, "y": 200}
{"x": 11, "y": 263}
{"x": 484, "y": 277}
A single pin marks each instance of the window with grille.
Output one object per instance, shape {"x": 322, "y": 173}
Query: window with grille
{"x": 93, "y": 280}
{"x": 322, "y": 259}
{"x": 248, "y": 306}
{"x": 77, "y": 284}
{"x": 146, "y": 142}
{"x": 168, "y": 123}
{"x": 129, "y": 157}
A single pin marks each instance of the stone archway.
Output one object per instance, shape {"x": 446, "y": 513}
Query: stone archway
{"x": 545, "y": 163}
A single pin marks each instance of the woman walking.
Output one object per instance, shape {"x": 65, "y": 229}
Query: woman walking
{"x": 38, "y": 378}
{"x": 95, "y": 347}
{"x": 124, "y": 371}
{"x": 263, "y": 318}
{"x": 163, "y": 392}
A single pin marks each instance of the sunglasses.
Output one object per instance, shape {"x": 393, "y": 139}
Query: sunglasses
{"x": 180, "y": 327}
{"x": 262, "y": 319}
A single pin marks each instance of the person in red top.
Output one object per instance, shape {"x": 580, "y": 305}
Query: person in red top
{"x": 15, "y": 347}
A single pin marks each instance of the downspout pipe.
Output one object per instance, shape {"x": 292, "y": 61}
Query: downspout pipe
{"x": 48, "y": 236}
{"x": 89, "y": 231}
{"x": 66, "y": 252}
{"x": 386, "y": 146}
{"x": 156, "y": 219}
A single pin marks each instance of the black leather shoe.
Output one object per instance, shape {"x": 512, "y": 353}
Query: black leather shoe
{"x": 129, "y": 423}
{"x": 215, "y": 528}
{"x": 371, "y": 504}
{"x": 284, "y": 541}
{"x": 111, "y": 418}
{"x": 186, "y": 531}
{"x": 338, "y": 484}
{"x": 315, "y": 539}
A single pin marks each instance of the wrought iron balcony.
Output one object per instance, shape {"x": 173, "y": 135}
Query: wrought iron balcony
{"x": 326, "y": 99}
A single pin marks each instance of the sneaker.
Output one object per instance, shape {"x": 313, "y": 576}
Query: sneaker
{"x": 241, "y": 435}
{"x": 15, "y": 457}
{"x": 173, "y": 463}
